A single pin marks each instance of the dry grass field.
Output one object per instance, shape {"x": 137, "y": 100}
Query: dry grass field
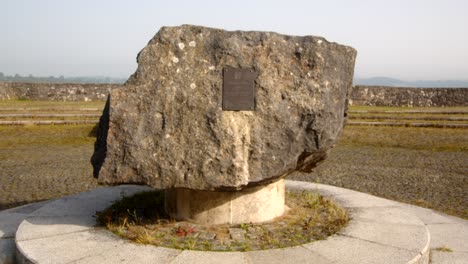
{"x": 423, "y": 166}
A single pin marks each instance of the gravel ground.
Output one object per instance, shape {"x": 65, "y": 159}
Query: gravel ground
{"x": 423, "y": 166}
{"x": 44, "y": 162}
{"x": 40, "y": 173}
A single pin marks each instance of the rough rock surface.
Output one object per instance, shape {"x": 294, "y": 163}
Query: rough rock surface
{"x": 409, "y": 96}
{"x": 166, "y": 127}
{"x": 55, "y": 91}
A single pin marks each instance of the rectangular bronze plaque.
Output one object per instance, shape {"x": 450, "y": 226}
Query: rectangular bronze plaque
{"x": 238, "y": 89}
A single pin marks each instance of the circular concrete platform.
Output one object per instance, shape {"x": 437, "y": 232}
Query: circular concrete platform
{"x": 64, "y": 231}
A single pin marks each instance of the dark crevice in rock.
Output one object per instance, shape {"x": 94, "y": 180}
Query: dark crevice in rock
{"x": 250, "y": 184}
{"x": 307, "y": 161}
{"x": 316, "y": 138}
{"x": 312, "y": 138}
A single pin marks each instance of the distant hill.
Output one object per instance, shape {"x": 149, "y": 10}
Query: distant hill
{"x": 385, "y": 81}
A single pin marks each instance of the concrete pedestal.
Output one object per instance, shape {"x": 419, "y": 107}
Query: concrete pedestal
{"x": 253, "y": 205}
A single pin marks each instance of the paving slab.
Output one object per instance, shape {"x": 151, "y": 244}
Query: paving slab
{"x": 347, "y": 198}
{"x": 348, "y": 250}
{"x": 126, "y": 254}
{"x": 27, "y": 208}
{"x": 111, "y": 192}
{"x": 292, "y": 255}
{"x": 88, "y": 202}
{"x": 10, "y": 219}
{"x": 449, "y": 257}
{"x": 429, "y": 216}
{"x": 71, "y": 206}
{"x": 452, "y": 236}
{"x": 410, "y": 237}
{"x": 7, "y": 251}
{"x": 9, "y": 223}
{"x": 423, "y": 258}
{"x": 45, "y": 226}
{"x": 356, "y": 199}
{"x": 386, "y": 215}
{"x": 189, "y": 256}
{"x": 68, "y": 247}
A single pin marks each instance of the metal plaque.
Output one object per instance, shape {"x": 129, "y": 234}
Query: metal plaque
{"x": 238, "y": 89}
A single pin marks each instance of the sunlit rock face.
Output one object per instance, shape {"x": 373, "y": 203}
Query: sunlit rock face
{"x": 167, "y": 127}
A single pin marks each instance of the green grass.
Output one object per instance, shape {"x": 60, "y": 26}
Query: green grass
{"x": 433, "y": 139}
{"x": 403, "y": 109}
{"x": 44, "y": 162}
{"x": 50, "y": 104}
{"x": 46, "y": 135}
{"x": 402, "y": 114}
{"x": 409, "y": 121}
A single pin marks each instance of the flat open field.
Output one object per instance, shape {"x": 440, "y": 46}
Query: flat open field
{"x": 423, "y": 166}
{"x": 44, "y": 162}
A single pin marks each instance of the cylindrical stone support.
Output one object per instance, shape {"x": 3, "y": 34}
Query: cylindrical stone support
{"x": 252, "y": 205}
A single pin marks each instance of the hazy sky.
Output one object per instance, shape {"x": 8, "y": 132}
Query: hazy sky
{"x": 406, "y": 39}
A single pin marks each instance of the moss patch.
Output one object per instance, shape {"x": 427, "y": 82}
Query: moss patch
{"x": 444, "y": 249}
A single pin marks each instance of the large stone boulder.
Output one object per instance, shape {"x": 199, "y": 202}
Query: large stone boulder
{"x": 167, "y": 128}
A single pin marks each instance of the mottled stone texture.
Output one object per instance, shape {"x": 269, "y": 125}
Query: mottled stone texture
{"x": 409, "y": 96}
{"x": 167, "y": 129}
{"x": 361, "y": 95}
{"x": 55, "y": 91}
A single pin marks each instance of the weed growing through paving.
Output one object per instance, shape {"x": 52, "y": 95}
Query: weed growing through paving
{"x": 444, "y": 249}
{"x": 141, "y": 218}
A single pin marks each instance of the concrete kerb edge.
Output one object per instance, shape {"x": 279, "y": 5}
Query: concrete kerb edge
{"x": 421, "y": 257}
{"x": 340, "y": 193}
{"x": 424, "y": 255}
{"x": 21, "y": 256}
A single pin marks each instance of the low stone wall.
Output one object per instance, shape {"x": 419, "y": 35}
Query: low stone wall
{"x": 55, "y": 91}
{"x": 408, "y": 96}
{"x": 361, "y": 95}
